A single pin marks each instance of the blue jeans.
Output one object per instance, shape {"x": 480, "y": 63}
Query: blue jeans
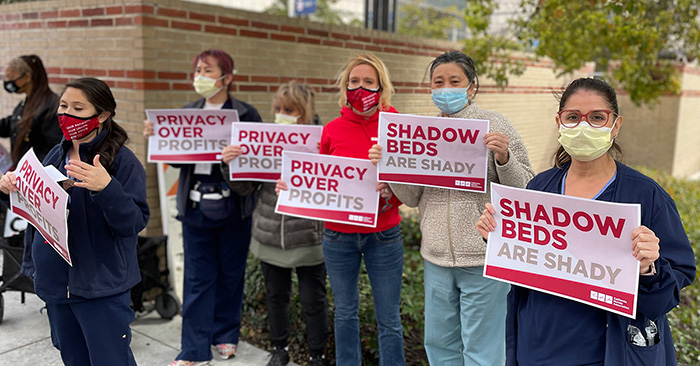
{"x": 383, "y": 254}
{"x": 215, "y": 260}
{"x": 465, "y": 316}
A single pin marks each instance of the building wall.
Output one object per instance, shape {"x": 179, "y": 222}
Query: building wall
{"x": 686, "y": 160}
{"x": 143, "y": 50}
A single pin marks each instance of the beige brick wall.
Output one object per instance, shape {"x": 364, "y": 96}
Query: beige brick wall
{"x": 143, "y": 49}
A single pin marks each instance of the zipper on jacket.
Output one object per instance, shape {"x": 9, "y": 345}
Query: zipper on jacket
{"x": 449, "y": 228}
{"x": 282, "y": 232}
{"x": 68, "y": 291}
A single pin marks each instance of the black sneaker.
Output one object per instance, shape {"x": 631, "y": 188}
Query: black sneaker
{"x": 280, "y": 357}
{"x": 318, "y": 361}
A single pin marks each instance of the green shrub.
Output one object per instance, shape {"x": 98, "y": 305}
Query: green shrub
{"x": 255, "y": 328}
{"x": 685, "y": 319}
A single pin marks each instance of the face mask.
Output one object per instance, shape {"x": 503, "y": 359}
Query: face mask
{"x": 11, "y": 86}
{"x": 75, "y": 128}
{"x": 585, "y": 143}
{"x": 450, "y": 100}
{"x": 205, "y": 86}
{"x": 363, "y": 99}
{"x": 285, "y": 119}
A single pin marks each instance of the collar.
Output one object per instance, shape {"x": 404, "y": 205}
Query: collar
{"x": 88, "y": 149}
{"x": 351, "y": 116}
{"x": 466, "y": 112}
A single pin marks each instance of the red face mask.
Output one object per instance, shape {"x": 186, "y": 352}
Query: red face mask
{"x": 75, "y": 128}
{"x": 363, "y": 99}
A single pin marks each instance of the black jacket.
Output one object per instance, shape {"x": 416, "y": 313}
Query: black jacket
{"x": 44, "y": 133}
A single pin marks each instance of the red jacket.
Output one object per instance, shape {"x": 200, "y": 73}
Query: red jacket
{"x": 351, "y": 136}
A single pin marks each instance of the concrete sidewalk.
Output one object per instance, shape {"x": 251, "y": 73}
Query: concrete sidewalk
{"x": 25, "y": 338}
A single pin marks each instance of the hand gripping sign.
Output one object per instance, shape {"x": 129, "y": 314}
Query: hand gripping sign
{"x": 329, "y": 188}
{"x": 42, "y": 202}
{"x": 433, "y": 151}
{"x": 189, "y": 135}
{"x": 262, "y": 145}
{"x": 575, "y": 248}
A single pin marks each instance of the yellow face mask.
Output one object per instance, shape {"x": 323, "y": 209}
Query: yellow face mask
{"x": 285, "y": 119}
{"x": 586, "y": 143}
{"x": 206, "y": 87}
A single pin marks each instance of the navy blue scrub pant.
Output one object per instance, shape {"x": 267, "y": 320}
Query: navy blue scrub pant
{"x": 215, "y": 261}
{"x": 94, "y": 332}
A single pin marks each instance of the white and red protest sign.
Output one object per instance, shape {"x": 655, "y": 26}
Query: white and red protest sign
{"x": 433, "y": 151}
{"x": 189, "y": 135}
{"x": 576, "y": 248}
{"x": 42, "y": 202}
{"x": 329, "y": 188}
{"x": 262, "y": 145}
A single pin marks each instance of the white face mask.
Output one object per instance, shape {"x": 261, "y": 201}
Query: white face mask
{"x": 206, "y": 87}
{"x": 285, "y": 119}
{"x": 586, "y": 143}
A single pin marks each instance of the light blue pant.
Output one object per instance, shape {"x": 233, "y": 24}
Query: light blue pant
{"x": 465, "y": 316}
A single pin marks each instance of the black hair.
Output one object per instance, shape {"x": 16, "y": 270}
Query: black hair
{"x": 461, "y": 59}
{"x": 100, "y": 96}
{"x": 599, "y": 87}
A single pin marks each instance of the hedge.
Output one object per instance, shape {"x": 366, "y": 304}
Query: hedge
{"x": 684, "y": 320}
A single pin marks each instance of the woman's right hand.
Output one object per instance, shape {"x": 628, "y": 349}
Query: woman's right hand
{"x": 231, "y": 152}
{"x": 148, "y": 129}
{"x": 375, "y": 154}
{"x": 8, "y": 183}
{"x": 486, "y": 222}
{"x": 280, "y": 186}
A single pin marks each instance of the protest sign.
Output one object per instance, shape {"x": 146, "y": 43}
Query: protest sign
{"x": 5, "y": 160}
{"x": 579, "y": 249}
{"x": 329, "y": 188}
{"x": 433, "y": 151}
{"x": 189, "y": 135}
{"x": 262, "y": 145}
{"x": 42, "y": 202}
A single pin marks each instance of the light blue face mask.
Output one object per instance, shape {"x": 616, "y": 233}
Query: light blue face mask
{"x": 450, "y": 100}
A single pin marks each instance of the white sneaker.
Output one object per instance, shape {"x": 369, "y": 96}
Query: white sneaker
{"x": 226, "y": 350}
{"x": 188, "y": 363}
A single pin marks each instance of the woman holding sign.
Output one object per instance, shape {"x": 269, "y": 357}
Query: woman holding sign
{"x": 88, "y": 302}
{"x": 365, "y": 91}
{"x": 464, "y": 312}
{"x": 215, "y": 229}
{"x": 546, "y": 329}
{"x": 285, "y": 243}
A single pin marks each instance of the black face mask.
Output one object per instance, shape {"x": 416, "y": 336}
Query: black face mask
{"x": 11, "y": 86}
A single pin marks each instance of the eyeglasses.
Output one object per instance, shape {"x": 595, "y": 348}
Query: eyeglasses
{"x": 387, "y": 206}
{"x": 597, "y": 118}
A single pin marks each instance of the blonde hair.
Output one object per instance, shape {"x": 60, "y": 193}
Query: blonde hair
{"x": 299, "y": 95}
{"x": 21, "y": 66}
{"x": 385, "y": 86}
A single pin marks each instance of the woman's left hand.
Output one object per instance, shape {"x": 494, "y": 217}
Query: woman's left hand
{"x": 93, "y": 177}
{"x": 645, "y": 247}
{"x": 498, "y": 142}
{"x": 385, "y": 190}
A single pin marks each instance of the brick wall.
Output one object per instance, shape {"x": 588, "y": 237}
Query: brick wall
{"x": 143, "y": 50}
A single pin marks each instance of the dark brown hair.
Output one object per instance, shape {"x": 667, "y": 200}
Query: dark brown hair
{"x": 100, "y": 96}
{"x": 40, "y": 93}
{"x": 601, "y": 88}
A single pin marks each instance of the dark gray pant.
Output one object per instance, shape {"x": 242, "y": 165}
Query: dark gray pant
{"x": 314, "y": 303}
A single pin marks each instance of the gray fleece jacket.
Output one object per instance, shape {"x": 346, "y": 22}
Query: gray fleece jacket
{"x": 448, "y": 217}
